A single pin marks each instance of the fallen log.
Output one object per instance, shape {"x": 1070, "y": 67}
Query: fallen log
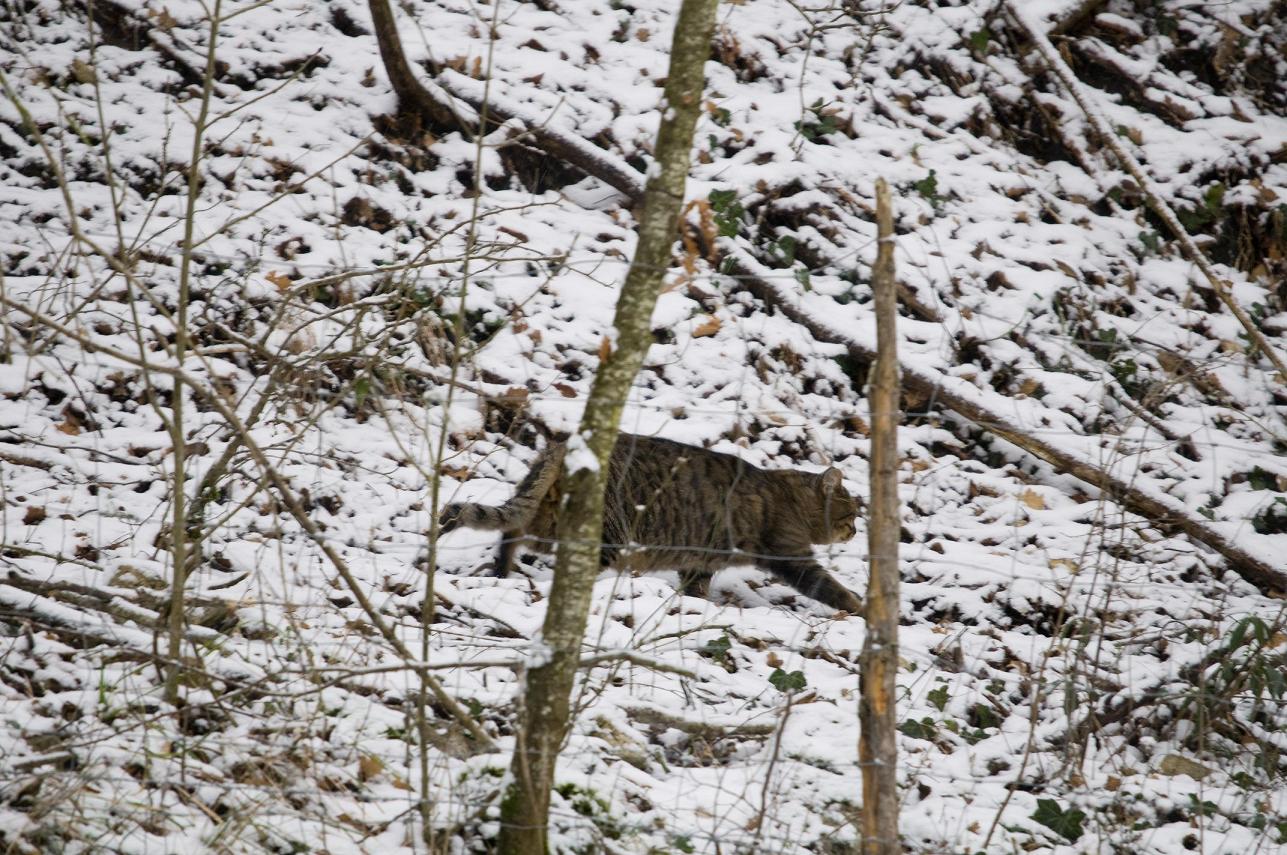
{"x": 974, "y": 405}
{"x": 438, "y": 102}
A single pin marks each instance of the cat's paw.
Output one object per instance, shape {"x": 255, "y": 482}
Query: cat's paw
{"x": 492, "y": 569}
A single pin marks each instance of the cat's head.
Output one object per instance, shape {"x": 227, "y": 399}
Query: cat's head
{"x": 835, "y": 516}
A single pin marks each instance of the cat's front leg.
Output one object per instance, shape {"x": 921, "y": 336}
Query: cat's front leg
{"x": 807, "y": 576}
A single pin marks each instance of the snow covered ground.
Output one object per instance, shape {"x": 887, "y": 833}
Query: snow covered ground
{"x": 1076, "y": 677}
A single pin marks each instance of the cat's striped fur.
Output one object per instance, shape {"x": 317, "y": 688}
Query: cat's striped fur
{"x": 671, "y": 506}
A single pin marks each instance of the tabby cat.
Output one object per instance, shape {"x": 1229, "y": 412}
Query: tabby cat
{"x": 671, "y": 506}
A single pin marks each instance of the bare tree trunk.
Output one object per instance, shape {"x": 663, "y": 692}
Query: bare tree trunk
{"x": 877, "y": 746}
{"x": 411, "y": 94}
{"x": 547, "y": 712}
{"x": 183, "y": 552}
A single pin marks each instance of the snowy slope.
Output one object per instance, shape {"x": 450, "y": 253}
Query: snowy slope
{"x": 1035, "y": 608}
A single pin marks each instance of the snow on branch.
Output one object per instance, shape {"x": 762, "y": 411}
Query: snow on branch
{"x": 556, "y": 142}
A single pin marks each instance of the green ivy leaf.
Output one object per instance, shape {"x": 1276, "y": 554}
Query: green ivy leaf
{"x": 784, "y": 682}
{"x": 983, "y": 717}
{"x": 1272, "y": 520}
{"x": 923, "y": 729}
{"x": 721, "y": 199}
{"x": 1214, "y": 197}
{"x": 717, "y": 648}
{"x": 728, "y": 211}
{"x": 1065, "y": 823}
{"x": 1276, "y": 683}
{"x": 939, "y": 698}
{"x": 927, "y": 187}
{"x": 785, "y": 248}
{"x": 1262, "y": 480}
{"x": 1202, "y": 807}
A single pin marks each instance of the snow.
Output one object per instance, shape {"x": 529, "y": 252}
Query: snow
{"x": 579, "y": 455}
{"x": 1055, "y": 314}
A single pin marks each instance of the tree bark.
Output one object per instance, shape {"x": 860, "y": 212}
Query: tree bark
{"x": 877, "y": 744}
{"x": 411, "y": 93}
{"x": 547, "y": 702}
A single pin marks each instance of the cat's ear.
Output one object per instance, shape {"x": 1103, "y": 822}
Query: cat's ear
{"x": 832, "y": 479}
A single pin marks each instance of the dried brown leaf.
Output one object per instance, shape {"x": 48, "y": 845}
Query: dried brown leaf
{"x": 369, "y": 767}
{"x": 708, "y": 327}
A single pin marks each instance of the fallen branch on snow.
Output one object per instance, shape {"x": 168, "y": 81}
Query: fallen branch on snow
{"x": 705, "y": 729}
{"x": 436, "y": 102}
{"x": 571, "y": 149}
{"x": 976, "y": 406}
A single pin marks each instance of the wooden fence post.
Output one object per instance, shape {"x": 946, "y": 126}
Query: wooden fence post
{"x": 877, "y": 746}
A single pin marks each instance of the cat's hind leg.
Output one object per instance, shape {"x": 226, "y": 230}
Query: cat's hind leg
{"x": 695, "y": 583}
{"x": 504, "y": 562}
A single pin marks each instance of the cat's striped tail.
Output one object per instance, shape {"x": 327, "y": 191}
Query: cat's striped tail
{"x": 519, "y": 511}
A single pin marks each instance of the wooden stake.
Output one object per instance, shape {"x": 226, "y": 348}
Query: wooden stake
{"x": 877, "y": 746}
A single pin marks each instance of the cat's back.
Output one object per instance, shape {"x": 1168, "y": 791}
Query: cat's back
{"x": 663, "y": 493}
{"x": 652, "y": 462}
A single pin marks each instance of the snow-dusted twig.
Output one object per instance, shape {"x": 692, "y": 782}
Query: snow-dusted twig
{"x": 104, "y": 601}
{"x": 45, "y": 611}
{"x": 288, "y": 496}
{"x": 17, "y": 459}
{"x": 593, "y": 660}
